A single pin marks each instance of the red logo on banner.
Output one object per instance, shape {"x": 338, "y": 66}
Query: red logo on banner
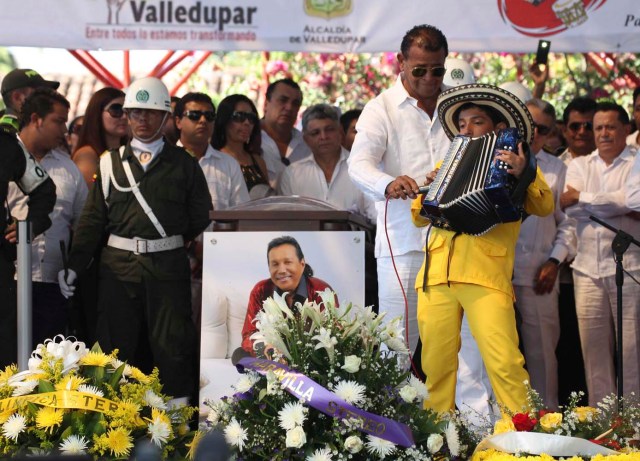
{"x": 542, "y": 18}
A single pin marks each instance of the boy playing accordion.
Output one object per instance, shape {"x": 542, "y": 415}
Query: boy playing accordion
{"x": 471, "y": 274}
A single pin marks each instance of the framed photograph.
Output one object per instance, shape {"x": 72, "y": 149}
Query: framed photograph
{"x": 234, "y": 262}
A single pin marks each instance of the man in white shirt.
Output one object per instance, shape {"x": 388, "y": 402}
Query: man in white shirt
{"x": 577, "y": 120}
{"x": 543, "y": 244}
{"x": 44, "y": 118}
{"x": 595, "y": 185}
{"x": 282, "y": 144}
{"x": 194, "y": 114}
{"x": 324, "y": 174}
{"x": 399, "y": 141}
{"x": 634, "y": 138}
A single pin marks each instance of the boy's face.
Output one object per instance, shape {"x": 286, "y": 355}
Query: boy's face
{"x": 475, "y": 122}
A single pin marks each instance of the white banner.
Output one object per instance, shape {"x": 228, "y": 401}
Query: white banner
{"x": 320, "y": 25}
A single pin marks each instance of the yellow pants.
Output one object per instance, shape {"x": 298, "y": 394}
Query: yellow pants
{"x": 491, "y": 317}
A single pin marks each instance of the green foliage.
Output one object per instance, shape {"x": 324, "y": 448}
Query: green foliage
{"x": 351, "y": 80}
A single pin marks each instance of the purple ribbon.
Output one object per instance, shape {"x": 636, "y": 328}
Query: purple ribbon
{"x": 320, "y": 398}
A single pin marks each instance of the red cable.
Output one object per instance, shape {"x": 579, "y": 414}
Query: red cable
{"x": 404, "y": 295}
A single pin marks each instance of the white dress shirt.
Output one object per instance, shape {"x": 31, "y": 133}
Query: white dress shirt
{"x": 395, "y": 137}
{"x": 305, "y": 178}
{"x": 633, "y": 187}
{"x": 296, "y": 150}
{"x": 602, "y": 194}
{"x": 224, "y": 179}
{"x": 545, "y": 237}
{"x": 71, "y": 193}
{"x": 566, "y": 157}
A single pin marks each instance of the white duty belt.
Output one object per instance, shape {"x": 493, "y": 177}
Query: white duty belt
{"x": 141, "y": 246}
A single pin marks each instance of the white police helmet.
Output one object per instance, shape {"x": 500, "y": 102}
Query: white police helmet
{"x": 518, "y": 89}
{"x": 459, "y": 72}
{"x": 147, "y": 93}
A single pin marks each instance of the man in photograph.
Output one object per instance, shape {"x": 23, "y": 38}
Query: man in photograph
{"x": 289, "y": 275}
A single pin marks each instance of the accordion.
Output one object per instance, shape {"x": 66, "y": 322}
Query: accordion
{"x": 471, "y": 192}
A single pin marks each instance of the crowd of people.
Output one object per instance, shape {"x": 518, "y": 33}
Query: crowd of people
{"x": 128, "y": 188}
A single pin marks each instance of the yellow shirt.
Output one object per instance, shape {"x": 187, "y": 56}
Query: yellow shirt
{"x": 485, "y": 260}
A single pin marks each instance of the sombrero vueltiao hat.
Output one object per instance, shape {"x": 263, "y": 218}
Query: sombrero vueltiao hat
{"x": 507, "y": 104}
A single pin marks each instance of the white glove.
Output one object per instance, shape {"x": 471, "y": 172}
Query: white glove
{"x": 66, "y": 286}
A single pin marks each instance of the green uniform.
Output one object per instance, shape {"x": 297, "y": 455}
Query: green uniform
{"x": 144, "y": 306}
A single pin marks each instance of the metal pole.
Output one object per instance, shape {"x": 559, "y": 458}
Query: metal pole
{"x": 25, "y": 314}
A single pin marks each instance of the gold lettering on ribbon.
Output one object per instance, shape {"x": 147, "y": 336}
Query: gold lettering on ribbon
{"x": 64, "y": 399}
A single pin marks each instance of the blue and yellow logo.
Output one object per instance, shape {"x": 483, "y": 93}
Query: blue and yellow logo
{"x": 327, "y": 8}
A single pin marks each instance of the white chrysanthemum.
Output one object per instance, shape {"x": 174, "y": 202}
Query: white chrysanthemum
{"x": 323, "y": 454}
{"x": 126, "y": 372}
{"x": 23, "y": 387}
{"x": 154, "y": 400}
{"x": 13, "y": 426}
{"x": 160, "y": 431}
{"x": 246, "y": 382}
{"x": 453, "y": 439}
{"x": 89, "y": 389}
{"x": 74, "y": 445}
{"x": 235, "y": 434}
{"x": 350, "y": 391}
{"x": 291, "y": 415}
{"x": 420, "y": 387}
{"x": 380, "y": 447}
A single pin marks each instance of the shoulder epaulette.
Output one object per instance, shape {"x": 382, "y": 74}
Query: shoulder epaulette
{"x": 9, "y": 124}
{"x": 8, "y": 130}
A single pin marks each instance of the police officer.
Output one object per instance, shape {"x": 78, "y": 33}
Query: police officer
{"x": 17, "y": 85}
{"x": 150, "y": 198}
{"x": 17, "y": 165}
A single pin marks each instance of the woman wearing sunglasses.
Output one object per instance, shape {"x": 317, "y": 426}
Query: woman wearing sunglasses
{"x": 105, "y": 127}
{"x": 237, "y": 133}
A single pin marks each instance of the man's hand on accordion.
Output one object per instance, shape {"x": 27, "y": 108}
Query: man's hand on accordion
{"x": 516, "y": 161}
{"x": 402, "y": 187}
{"x": 431, "y": 177}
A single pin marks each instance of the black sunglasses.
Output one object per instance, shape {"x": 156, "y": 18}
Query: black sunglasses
{"x": 195, "y": 115}
{"x": 420, "y": 71}
{"x": 575, "y": 126}
{"x": 115, "y": 110}
{"x": 241, "y": 117}
{"x": 543, "y": 130}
